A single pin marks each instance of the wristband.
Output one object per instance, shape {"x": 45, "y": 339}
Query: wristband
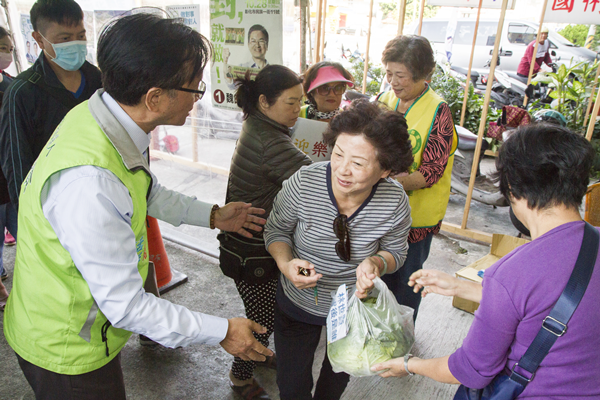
{"x": 385, "y": 264}
{"x": 406, "y": 358}
{"x": 213, "y": 210}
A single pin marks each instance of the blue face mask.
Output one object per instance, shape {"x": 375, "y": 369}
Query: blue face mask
{"x": 70, "y": 56}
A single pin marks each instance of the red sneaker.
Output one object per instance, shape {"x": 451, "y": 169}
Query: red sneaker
{"x": 9, "y": 240}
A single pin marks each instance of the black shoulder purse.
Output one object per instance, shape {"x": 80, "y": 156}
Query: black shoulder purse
{"x": 508, "y": 387}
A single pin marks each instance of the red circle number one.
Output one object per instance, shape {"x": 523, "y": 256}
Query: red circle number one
{"x": 219, "y": 96}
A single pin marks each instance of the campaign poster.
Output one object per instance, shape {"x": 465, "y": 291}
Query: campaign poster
{"x": 190, "y": 14}
{"x": 246, "y": 35}
{"x": 31, "y": 46}
{"x": 307, "y": 135}
{"x": 573, "y": 11}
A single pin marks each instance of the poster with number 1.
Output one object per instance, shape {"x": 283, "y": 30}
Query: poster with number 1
{"x": 246, "y": 35}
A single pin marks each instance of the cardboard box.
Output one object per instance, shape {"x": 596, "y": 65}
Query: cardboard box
{"x": 501, "y": 246}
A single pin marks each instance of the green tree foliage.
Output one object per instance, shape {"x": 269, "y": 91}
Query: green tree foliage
{"x": 453, "y": 92}
{"x": 577, "y": 34}
{"x": 376, "y": 76}
{"x": 389, "y": 9}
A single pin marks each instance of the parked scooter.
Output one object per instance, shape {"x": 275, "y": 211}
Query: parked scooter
{"x": 484, "y": 190}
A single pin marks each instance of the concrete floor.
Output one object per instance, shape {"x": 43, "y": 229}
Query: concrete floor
{"x": 200, "y": 372}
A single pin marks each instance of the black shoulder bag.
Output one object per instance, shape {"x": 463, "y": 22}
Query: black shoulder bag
{"x": 508, "y": 387}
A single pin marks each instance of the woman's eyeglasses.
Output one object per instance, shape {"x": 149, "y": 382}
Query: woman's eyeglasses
{"x": 338, "y": 89}
{"x": 199, "y": 93}
{"x": 340, "y": 228}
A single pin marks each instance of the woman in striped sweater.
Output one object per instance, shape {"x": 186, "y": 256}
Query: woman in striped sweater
{"x": 339, "y": 222}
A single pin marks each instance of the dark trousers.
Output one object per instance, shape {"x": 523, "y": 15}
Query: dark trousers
{"x": 101, "y": 384}
{"x": 295, "y": 344}
{"x": 8, "y": 220}
{"x": 398, "y": 281}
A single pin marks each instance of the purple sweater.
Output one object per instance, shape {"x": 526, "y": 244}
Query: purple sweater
{"x": 518, "y": 292}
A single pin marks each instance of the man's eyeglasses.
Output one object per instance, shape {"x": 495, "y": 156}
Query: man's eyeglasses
{"x": 340, "y": 228}
{"x": 200, "y": 92}
{"x": 338, "y": 89}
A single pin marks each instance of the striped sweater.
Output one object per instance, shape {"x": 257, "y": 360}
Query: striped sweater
{"x": 303, "y": 215}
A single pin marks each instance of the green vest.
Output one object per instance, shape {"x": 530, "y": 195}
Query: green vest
{"x": 303, "y": 111}
{"x": 51, "y": 319}
{"x": 428, "y": 205}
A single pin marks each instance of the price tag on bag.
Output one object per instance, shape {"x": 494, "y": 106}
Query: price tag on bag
{"x": 337, "y": 325}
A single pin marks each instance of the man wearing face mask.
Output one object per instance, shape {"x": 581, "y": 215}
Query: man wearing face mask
{"x": 40, "y": 97}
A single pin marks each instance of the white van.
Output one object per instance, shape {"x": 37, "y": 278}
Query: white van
{"x": 516, "y": 35}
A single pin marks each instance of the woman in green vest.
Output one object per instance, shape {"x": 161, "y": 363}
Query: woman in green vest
{"x": 408, "y": 62}
{"x": 324, "y": 84}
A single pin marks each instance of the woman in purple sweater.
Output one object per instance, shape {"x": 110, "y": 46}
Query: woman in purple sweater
{"x": 544, "y": 172}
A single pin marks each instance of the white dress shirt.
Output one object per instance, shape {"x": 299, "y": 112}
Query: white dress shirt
{"x": 90, "y": 210}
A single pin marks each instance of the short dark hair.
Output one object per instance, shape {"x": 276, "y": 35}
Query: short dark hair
{"x": 545, "y": 164}
{"x": 414, "y": 52}
{"x": 311, "y": 74}
{"x": 3, "y": 33}
{"x": 271, "y": 81}
{"x": 142, "y": 51}
{"x": 385, "y": 129}
{"x": 62, "y": 12}
{"x": 261, "y": 28}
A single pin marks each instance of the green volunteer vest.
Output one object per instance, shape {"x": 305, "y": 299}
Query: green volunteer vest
{"x": 51, "y": 319}
{"x": 428, "y": 205}
{"x": 303, "y": 111}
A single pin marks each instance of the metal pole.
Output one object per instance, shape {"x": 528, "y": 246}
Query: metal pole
{"x": 535, "y": 49}
{"x": 318, "y": 32}
{"x": 484, "y": 112}
{"x": 303, "y": 10}
{"x": 401, "y": 16}
{"x": 366, "y": 69}
{"x": 589, "y": 104}
{"x": 323, "y": 29}
{"x": 421, "y": 16}
{"x": 464, "y": 106}
{"x": 590, "y": 129}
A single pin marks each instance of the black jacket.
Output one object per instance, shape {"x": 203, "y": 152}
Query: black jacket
{"x": 264, "y": 157}
{"x": 30, "y": 114}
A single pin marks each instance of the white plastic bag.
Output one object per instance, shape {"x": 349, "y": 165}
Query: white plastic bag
{"x": 379, "y": 329}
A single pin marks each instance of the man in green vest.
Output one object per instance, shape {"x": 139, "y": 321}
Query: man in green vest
{"x": 82, "y": 257}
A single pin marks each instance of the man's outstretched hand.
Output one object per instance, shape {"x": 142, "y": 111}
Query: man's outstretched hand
{"x": 240, "y": 342}
{"x": 237, "y": 217}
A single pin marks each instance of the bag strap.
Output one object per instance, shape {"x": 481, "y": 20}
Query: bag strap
{"x": 555, "y": 324}
{"x": 63, "y": 96}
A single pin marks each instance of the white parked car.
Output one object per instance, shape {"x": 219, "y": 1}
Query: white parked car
{"x": 516, "y": 35}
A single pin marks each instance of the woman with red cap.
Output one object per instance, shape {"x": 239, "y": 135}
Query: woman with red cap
{"x": 324, "y": 84}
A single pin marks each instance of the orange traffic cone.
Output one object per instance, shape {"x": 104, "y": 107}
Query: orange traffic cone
{"x": 166, "y": 278}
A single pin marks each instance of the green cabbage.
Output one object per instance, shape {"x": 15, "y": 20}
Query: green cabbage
{"x": 367, "y": 343}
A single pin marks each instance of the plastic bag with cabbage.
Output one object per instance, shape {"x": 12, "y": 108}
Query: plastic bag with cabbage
{"x": 379, "y": 329}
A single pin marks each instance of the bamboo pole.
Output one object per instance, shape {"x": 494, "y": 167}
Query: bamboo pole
{"x": 421, "y": 16}
{"x": 592, "y": 122}
{"x": 311, "y": 55}
{"x": 482, "y": 123}
{"x": 318, "y": 31}
{"x": 323, "y": 29}
{"x": 303, "y": 11}
{"x": 589, "y": 104}
{"x": 464, "y": 106}
{"x": 366, "y": 66}
{"x": 401, "y": 16}
{"x": 535, "y": 49}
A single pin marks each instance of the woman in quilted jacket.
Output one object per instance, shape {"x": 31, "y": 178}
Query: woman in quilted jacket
{"x": 264, "y": 157}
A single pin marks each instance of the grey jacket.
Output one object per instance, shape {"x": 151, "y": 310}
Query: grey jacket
{"x": 264, "y": 157}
